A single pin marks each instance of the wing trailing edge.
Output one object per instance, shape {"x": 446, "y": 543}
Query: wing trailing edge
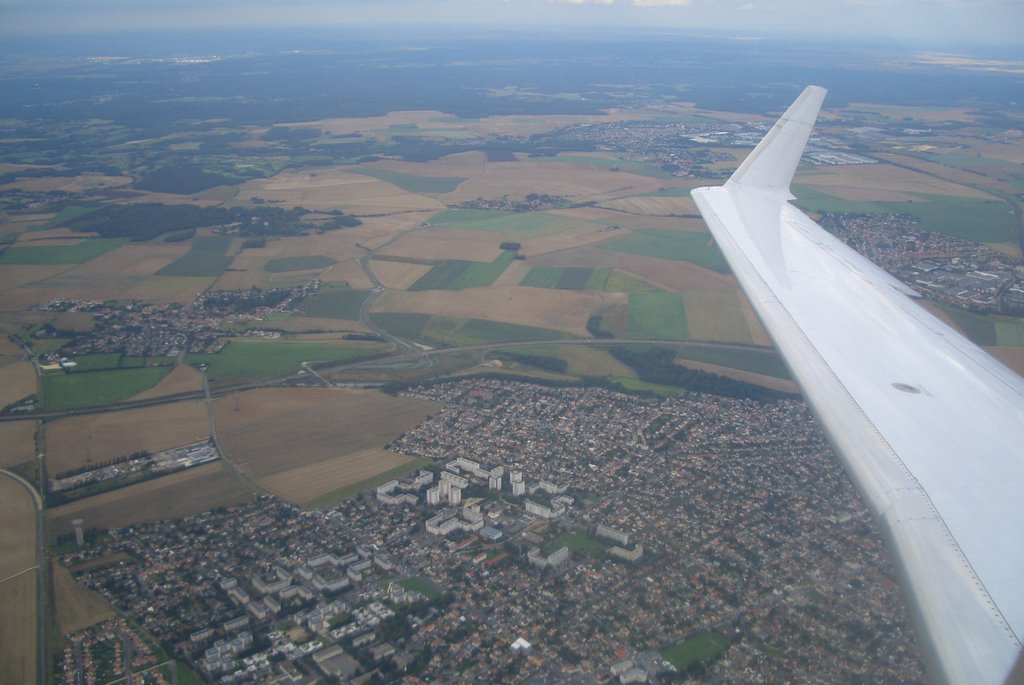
{"x": 929, "y": 427}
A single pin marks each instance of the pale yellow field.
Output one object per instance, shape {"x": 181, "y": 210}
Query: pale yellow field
{"x": 882, "y": 182}
{"x": 181, "y": 289}
{"x": 757, "y": 332}
{"x": 348, "y": 271}
{"x": 272, "y": 431}
{"x": 447, "y": 243}
{"x": 14, "y": 275}
{"x": 69, "y": 184}
{"x": 82, "y": 440}
{"x": 653, "y": 206}
{"x": 601, "y": 215}
{"x": 132, "y": 259}
{"x": 589, "y": 361}
{"x": 10, "y": 349}
{"x": 896, "y": 113}
{"x": 77, "y": 606}
{"x": 574, "y": 234}
{"x": 574, "y": 181}
{"x": 514, "y": 274}
{"x": 299, "y": 324}
{"x": 182, "y": 378}
{"x": 664, "y": 273}
{"x": 17, "y": 381}
{"x": 105, "y": 286}
{"x": 335, "y": 188}
{"x": 716, "y": 316}
{"x": 398, "y": 275}
{"x": 17, "y": 592}
{"x": 564, "y": 310}
{"x": 306, "y": 483}
{"x": 180, "y": 494}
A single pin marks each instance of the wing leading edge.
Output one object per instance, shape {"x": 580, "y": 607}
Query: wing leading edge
{"x": 929, "y": 427}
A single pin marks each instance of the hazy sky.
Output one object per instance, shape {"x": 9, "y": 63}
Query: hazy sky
{"x": 903, "y": 21}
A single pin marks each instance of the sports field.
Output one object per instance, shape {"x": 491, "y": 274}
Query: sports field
{"x": 697, "y": 649}
{"x": 657, "y": 315}
{"x": 17, "y": 583}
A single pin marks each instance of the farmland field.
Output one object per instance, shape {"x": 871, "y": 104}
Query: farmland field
{"x": 17, "y": 381}
{"x": 78, "y": 441}
{"x": 77, "y": 606}
{"x": 182, "y": 378}
{"x": 512, "y": 224}
{"x": 73, "y": 390}
{"x": 480, "y": 331}
{"x": 697, "y": 248}
{"x": 334, "y": 303}
{"x": 208, "y": 257}
{"x": 402, "y": 325}
{"x": 567, "y": 278}
{"x": 310, "y": 483}
{"x": 19, "y": 442}
{"x": 305, "y": 441}
{"x": 760, "y": 361}
{"x": 302, "y": 263}
{"x": 79, "y": 253}
{"x": 657, "y": 315}
{"x": 412, "y": 183}
{"x": 457, "y": 274}
{"x": 180, "y": 494}
{"x": 716, "y": 316}
{"x": 343, "y": 493}
{"x": 248, "y": 359}
{"x": 17, "y": 583}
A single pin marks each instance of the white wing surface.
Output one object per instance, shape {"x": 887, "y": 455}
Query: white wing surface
{"x": 929, "y": 427}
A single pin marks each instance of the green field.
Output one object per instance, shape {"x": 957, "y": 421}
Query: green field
{"x": 627, "y": 165}
{"x": 250, "y": 359}
{"x": 458, "y": 274}
{"x": 420, "y": 585}
{"x": 683, "y": 246}
{"x": 513, "y": 224}
{"x": 644, "y": 386}
{"x": 413, "y": 183}
{"x": 67, "y": 214}
{"x": 341, "y": 303}
{"x": 298, "y": 263}
{"x": 567, "y": 278}
{"x": 622, "y": 283}
{"x": 71, "y": 391}
{"x": 764, "y": 362}
{"x": 79, "y": 253}
{"x": 1009, "y": 332}
{"x": 983, "y": 221}
{"x": 657, "y": 315}
{"x": 576, "y": 541}
{"x": 208, "y": 257}
{"x": 402, "y": 325}
{"x": 696, "y": 650}
{"x": 344, "y": 493}
{"x": 479, "y": 331}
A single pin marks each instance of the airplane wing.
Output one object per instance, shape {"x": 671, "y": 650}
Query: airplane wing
{"x": 928, "y": 426}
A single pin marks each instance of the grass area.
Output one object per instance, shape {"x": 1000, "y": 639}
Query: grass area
{"x": 696, "y": 650}
{"x": 413, "y": 183}
{"x": 619, "y": 282}
{"x": 304, "y": 263}
{"x": 644, "y": 386}
{"x": 658, "y": 315}
{"x": 631, "y": 166}
{"x": 513, "y": 224}
{"x": 114, "y": 360}
{"x": 683, "y": 246}
{"x": 252, "y": 359}
{"x": 208, "y": 257}
{"x": 984, "y": 221}
{"x": 1009, "y": 332}
{"x": 340, "y": 303}
{"x": 186, "y": 676}
{"x": 458, "y": 274}
{"x": 344, "y": 493}
{"x": 577, "y": 542}
{"x": 67, "y": 214}
{"x": 981, "y": 330}
{"x": 479, "y": 274}
{"x": 764, "y": 362}
{"x": 73, "y": 390}
{"x": 420, "y": 585}
{"x": 79, "y": 253}
{"x": 479, "y": 331}
{"x": 402, "y": 325}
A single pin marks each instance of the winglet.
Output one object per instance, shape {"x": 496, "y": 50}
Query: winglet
{"x": 773, "y": 162}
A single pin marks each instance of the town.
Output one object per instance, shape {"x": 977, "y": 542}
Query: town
{"x": 560, "y": 534}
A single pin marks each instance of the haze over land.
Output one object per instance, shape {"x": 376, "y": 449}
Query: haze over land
{"x": 208, "y": 237}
